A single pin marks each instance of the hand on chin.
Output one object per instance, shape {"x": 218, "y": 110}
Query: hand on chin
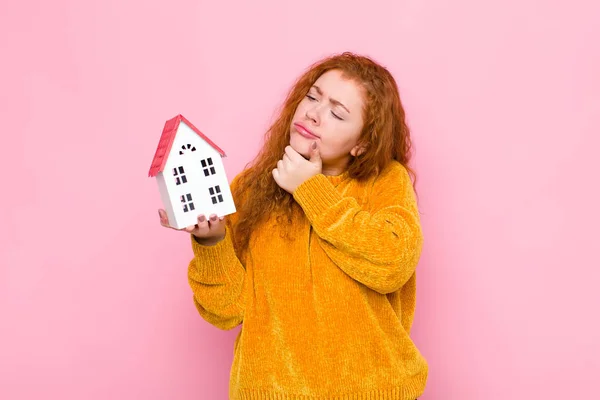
{"x": 301, "y": 146}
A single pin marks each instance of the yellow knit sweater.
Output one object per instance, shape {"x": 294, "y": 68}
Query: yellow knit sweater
{"x": 327, "y": 315}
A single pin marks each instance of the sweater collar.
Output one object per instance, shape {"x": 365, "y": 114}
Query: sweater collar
{"x": 337, "y": 179}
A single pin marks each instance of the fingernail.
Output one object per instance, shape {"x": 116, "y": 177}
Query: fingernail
{"x": 314, "y": 145}
{"x": 202, "y": 218}
{"x": 213, "y": 218}
{"x": 221, "y": 218}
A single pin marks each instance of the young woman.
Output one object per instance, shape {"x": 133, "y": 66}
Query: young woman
{"x": 318, "y": 263}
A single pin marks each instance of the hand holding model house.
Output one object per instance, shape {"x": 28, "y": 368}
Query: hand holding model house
{"x": 192, "y": 181}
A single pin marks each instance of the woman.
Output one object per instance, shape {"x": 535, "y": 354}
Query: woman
{"x": 319, "y": 260}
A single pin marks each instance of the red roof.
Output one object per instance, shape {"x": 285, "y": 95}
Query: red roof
{"x": 166, "y": 142}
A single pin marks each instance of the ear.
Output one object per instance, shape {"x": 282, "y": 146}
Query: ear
{"x": 358, "y": 150}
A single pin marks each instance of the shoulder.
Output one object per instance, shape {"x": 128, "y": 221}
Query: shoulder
{"x": 237, "y": 193}
{"x": 392, "y": 186}
{"x": 238, "y": 180}
{"x": 394, "y": 174}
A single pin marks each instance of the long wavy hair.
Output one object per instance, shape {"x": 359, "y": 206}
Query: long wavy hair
{"x": 385, "y": 135}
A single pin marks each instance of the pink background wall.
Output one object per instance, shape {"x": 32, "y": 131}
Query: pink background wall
{"x": 504, "y": 101}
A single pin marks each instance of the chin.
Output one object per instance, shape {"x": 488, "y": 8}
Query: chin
{"x": 300, "y": 144}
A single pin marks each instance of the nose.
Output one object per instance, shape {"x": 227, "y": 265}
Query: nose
{"x": 313, "y": 114}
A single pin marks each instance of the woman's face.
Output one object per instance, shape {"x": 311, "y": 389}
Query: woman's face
{"x": 331, "y": 114}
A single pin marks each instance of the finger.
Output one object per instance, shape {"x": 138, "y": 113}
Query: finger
{"x": 216, "y": 224}
{"x": 275, "y": 174}
{"x": 164, "y": 220}
{"x": 202, "y": 222}
{"x": 292, "y": 154}
{"x": 216, "y": 220}
{"x": 190, "y": 229}
{"x": 201, "y": 229}
{"x": 280, "y": 164}
{"x": 287, "y": 160}
{"x": 315, "y": 153}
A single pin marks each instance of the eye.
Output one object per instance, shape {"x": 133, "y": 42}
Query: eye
{"x": 336, "y": 116}
{"x": 310, "y": 97}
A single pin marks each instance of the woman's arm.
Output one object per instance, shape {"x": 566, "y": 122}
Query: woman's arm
{"x": 217, "y": 279}
{"x": 378, "y": 245}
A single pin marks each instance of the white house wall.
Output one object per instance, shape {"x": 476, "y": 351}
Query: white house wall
{"x": 197, "y": 183}
{"x": 164, "y": 196}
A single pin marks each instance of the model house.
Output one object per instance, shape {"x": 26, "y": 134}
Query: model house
{"x": 191, "y": 177}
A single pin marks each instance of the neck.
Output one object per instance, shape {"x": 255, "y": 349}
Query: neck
{"x": 335, "y": 169}
{"x": 332, "y": 171}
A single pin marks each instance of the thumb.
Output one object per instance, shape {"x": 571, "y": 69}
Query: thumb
{"x": 315, "y": 154}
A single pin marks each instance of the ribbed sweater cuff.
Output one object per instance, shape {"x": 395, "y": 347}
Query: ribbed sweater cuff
{"x": 410, "y": 389}
{"x": 214, "y": 261}
{"x": 316, "y": 195}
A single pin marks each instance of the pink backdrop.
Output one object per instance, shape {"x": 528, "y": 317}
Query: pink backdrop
{"x": 503, "y": 98}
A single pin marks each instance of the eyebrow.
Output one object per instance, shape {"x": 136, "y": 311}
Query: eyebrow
{"x": 334, "y": 101}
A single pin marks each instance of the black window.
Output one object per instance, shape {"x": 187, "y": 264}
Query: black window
{"x": 215, "y": 194}
{"x": 188, "y": 204}
{"x": 179, "y": 175}
{"x": 208, "y": 167}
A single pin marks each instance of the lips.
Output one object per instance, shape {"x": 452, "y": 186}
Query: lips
{"x": 302, "y": 130}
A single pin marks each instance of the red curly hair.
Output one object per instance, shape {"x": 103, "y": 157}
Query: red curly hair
{"x": 385, "y": 135}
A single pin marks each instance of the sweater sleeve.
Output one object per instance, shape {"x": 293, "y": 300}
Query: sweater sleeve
{"x": 217, "y": 279}
{"x": 378, "y": 245}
